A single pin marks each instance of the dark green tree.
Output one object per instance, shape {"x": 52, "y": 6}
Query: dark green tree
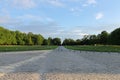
{"x": 104, "y": 37}
{"x": 69, "y": 42}
{"x": 45, "y": 42}
{"x": 93, "y": 39}
{"x": 78, "y": 42}
{"x": 114, "y": 37}
{"x": 50, "y": 41}
{"x": 56, "y": 41}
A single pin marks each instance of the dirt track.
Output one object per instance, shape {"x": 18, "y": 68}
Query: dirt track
{"x": 59, "y": 64}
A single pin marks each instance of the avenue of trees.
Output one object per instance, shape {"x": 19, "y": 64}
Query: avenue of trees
{"x": 8, "y": 37}
{"x": 104, "y": 38}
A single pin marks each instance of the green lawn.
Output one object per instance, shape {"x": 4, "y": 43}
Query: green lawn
{"x": 101, "y": 48}
{"x": 25, "y": 48}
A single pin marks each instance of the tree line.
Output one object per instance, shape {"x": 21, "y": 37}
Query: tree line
{"x": 104, "y": 38}
{"x": 8, "y": 37}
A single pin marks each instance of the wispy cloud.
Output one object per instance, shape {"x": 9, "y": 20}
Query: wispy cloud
{"x": 76, "y": 10}
{"x": 57, "y": 3}
{"x": 99, "y": 15}
{"x": 91, "y": 1}
{"x": 24, "y": 3}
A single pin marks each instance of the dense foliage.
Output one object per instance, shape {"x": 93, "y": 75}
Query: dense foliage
{"x": 8, "y": 37}
{"x": 104, "y": 38}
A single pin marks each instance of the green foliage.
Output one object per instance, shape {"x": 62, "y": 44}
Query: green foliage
{"x": 56, "y": 41}
{"x": 8, "y": 37}
{"x": 45, "y": 42}
{"x": 20, "y": 38}
{"x": 104, "y": 38}
{"x": 78, "y": 41}
{"x": 50, "y": 41}
{"x": 69, "y": 42}
{"x": 37, "y": 39}
{"x": 114, "y": 37}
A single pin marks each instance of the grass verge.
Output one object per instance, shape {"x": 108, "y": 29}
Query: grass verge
{"x": 102, "y": 48}
{"x": 24, "y": 48}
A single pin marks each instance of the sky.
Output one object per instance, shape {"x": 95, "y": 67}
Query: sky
{"x": 60, "y": 18}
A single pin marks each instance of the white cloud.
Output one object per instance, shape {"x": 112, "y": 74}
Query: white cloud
{"x": 4, "y": 19}
{"x": 84, "y": 5}
{"x": 30, "y": 17}
{"x": 91, "y": 1}
{"x": 55, "y": 3}
{"x": 9, "y": 22}
{"x": 78, "y": 32}
{"x": 99, "y": 16}
{"x": 24, "y": 3}
{"x": 76, "y": 11}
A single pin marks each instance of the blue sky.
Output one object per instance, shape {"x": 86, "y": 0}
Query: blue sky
{"x": 60, "y": 18}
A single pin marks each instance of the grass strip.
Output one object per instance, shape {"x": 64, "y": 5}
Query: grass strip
{"x": 101, "y": 48}
{"x": 7, "y": 48}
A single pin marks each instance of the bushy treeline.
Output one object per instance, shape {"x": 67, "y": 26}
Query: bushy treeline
{"x": 104, "y": 38}
{"x": 8, "y": 37}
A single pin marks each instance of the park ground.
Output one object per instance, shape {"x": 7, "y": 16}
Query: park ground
{"x": 59, "y": 64}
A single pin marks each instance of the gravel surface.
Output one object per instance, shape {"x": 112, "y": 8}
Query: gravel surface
{"x": 59, "y": 64}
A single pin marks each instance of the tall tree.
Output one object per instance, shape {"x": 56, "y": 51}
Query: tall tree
{"x": 45, "y": 42}
{"x": 104, "y": 37}
{"x": 93, "y": 39}
{"x": 114, "y": 37}
{"x": 50, "y": 41}
{"x": 56, "y": 41}
{"x": 13, "y": 38}
{"x": 20, "y": 38}
{"x": 78, "y": 42}
{"x": 37, "y": 39}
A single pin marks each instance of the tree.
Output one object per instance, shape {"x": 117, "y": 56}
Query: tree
{"x": 45, "y": 42}
{"x": 28, "y": 39}
{"x": 2, "y": 36}
{"x": 78, "y": 42}
{"x": 7, "y": 37}
{"x": 56, "y": 41}
{"x": 69, "y": 42}
{"x": 85, "y": 40}
{"x": 104, "y": 37}
{"x": 50, "y": 41}
{"x": 20, "y": 38}
{"x": 37, "y": 39}
{"x": 114, "y": 37}
{"x": 13, "y": 38}
{"x": 65, "y": 42}
{"x": 93, "y": 39}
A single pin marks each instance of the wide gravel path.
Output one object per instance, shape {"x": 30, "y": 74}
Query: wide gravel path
{"x": 59, "y": 64}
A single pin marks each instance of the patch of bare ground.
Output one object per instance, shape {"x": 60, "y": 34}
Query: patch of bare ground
{"x": 58, "y": 76}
